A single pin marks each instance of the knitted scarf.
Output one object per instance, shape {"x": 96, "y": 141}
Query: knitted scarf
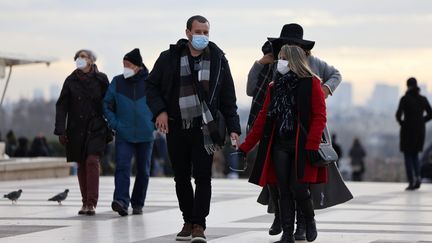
{"x": 283, "y": 106}
{"x": 193, "y": 103}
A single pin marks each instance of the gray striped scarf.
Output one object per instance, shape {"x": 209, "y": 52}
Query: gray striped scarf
{"x": 193, "y": 106}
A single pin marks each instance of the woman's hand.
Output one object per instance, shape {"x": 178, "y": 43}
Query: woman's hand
{"x": 313, "y": 155}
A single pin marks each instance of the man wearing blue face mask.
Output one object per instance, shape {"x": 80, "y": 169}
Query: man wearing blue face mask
{"x": 127, "y": 113}
{"x": 188, "y": 90}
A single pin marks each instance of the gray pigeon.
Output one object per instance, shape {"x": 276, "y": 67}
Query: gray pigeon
{"x": 60, "y": 197}
{"x": 13, "y": 196}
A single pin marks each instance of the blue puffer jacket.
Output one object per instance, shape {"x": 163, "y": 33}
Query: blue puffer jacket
{"x": 126, "y": 109}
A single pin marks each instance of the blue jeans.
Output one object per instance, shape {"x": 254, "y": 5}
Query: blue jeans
{"x": 412, "y": 166}
{"x": 124, "y": 153}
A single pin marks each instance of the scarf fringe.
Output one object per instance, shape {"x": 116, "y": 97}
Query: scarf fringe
{"x": 212, "y": 148}
{"x": 187, "y": 124}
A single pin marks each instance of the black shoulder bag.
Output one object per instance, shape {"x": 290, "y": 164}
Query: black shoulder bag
{"x": 327, "y": 154}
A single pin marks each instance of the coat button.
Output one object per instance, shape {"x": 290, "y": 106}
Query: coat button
{"x": 79, "y": 97}
{"x": 81, "y": 116}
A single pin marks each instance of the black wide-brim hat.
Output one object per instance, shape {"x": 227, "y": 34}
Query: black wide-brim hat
{"x": 290, "y": 34}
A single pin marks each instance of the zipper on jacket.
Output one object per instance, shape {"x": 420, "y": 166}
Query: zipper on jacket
{"x": 134, "y": 100}
{"x": 217, "y": 81}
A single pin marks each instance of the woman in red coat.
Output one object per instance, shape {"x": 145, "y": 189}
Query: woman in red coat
{"x": 289, "y": 128}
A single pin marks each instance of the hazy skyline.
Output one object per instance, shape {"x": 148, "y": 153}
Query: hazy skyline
{"x": 368, "y": 41}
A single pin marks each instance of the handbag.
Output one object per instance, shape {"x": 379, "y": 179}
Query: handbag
{"x": 334, "y": 192}
{"x": 326, "y": 152}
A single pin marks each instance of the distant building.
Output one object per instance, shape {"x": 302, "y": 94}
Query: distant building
{"x": 38, "y": 94}
{"x": 54, "y": 91}
{"x": 384, "y": 98}
{"x": 342, "y": 98}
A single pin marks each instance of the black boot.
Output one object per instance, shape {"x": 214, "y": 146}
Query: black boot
{"x": 286, "y": 238}
{"x": 287, "y": 211}
{"x": 300, "y": 232}
{"x": 276, "y": 227}
{"x": 307, "y": 208}
{"x": 417, "y": 184}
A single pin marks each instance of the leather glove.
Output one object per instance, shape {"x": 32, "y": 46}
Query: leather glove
{"x": 63, "y": 139}
{"x": 313, "y": 155}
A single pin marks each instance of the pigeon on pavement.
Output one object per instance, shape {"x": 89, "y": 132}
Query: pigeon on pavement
{"x": 13, "y": 196}
{"x": 60, "y": 197}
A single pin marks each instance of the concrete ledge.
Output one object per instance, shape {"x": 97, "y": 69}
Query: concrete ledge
{"x": 33, "y": 168}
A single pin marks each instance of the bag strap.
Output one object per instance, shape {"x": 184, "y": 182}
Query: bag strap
{"x": 325, "y": 135}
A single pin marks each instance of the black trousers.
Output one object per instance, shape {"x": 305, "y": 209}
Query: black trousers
{"x": 189, "y": 158}
{"x": 283, "y": 156}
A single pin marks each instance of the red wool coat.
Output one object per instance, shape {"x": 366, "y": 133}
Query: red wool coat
{"x": 312, "y": 114}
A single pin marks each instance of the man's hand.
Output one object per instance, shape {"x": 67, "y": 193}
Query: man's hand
{"x": 266, "y": 59}
{"x": 235, "y": 139}
{"x": 63, "y": 140}
{"x": 325, "y": 90}
{"x": 162, "y": 122}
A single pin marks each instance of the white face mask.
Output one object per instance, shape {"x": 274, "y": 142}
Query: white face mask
{"x": 128, "y": 72}
{"x": 81, "y": 63}
{"x": 282, "y": 66}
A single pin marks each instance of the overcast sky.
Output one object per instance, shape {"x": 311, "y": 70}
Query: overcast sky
{"x": 369, "y": 41}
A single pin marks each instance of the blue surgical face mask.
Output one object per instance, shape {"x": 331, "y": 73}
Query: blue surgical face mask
{"x": 199, "y": 42}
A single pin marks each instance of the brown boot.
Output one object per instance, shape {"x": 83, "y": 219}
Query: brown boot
{"x": 83, "y": 210}
{"x": 185, "y": 233}
{"x": 198, "y": 234}
{"x": 91, "y": 210}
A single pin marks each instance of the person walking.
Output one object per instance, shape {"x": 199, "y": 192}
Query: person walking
{"x": 260, "y": 75}
{"x": 189, "y": 90}
{"x": 80, "y": 124}
{"x": 126, "y": 110}
{"x": 289, "y": 127}
{"x": 412, "y": 114}
{"x": 357, "y": 154}
{"x": 22, "y": 149}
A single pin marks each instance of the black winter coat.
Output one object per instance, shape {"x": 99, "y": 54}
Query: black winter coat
{"x": 79, "y": 116}
{"x": 411, "y": 117}
{"x": 166, "y": 74}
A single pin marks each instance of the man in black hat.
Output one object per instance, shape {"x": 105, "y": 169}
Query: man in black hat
{"x": 126, "y": 110}
{"x": 260, "y": 75}
{"x": 412, "y": 119}
{"x": 189, "y": 88}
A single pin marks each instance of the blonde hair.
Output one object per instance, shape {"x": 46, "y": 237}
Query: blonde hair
{"x": 297, "y": 60}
